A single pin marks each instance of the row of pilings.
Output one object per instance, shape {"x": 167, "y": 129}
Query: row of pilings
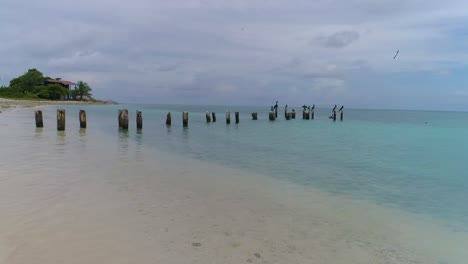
{"x": 123, "y": 117}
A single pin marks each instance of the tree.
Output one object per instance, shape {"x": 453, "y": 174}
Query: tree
{"x": 51, "y": 91}
{"x": 28, "y": 82}
{"x": 82, "y": 91}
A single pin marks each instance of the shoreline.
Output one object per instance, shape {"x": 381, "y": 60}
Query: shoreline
{"x": 8, "y": 104}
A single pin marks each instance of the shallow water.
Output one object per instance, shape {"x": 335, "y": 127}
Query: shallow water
{"x": 410, "y": 161}
{"x": 413, "y": 160}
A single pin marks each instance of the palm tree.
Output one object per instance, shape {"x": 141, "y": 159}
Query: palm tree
{"x": 82, "y": 91}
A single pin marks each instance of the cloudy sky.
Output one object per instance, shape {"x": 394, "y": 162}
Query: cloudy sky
{"x": 246, "y": 52}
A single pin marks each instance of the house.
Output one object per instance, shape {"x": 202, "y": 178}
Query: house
{"x": 66, "y": 84}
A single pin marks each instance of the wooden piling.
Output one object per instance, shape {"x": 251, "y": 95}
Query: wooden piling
{"x": 82, "y": 116}
{"x": 60, "y": 119}
{"x": 236, "y": 115}
{"x": 213, "y": 115}
{"x": 303, "y": 114}
{"x": 228, "y": 117}
{"x": 39, "y": 121}
{"x": 334, "y": 115}
{"x": 312, "y": 115}
{"x": 293, "y": 114}
{"x": 288, "y": 116}
{"x": 341, "y": 116}
{"x": 168, "y": 119}
{"x": 271, "y": 116}
{"x": 139, "y": 119}
{"x": 254, "y": 116}
{"x": 185, "y": 119}
{"x": 123, "y": 119}
{"x": 208, "y": 117}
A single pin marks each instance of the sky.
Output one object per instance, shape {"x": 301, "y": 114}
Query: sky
{"x": 246, "y": 52}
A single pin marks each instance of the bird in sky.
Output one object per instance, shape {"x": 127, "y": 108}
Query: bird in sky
{"x": 398, "y": 51}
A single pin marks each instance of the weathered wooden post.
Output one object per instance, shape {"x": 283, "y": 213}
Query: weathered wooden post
{"x": 254, "y": 116}
{"x": 271, "y": 115}
{"x": 168, "y": 119}
{"x": 236, "y": 115}
{"x": 208, "y": 117}
{"x": 139, "y": 119}
{"x": 82, "y": 117}
{"x": 185, "y": 119}
{"x": 312, "y": 114}
{"x": 228, "y": 117}
{"x": 213, "y": 114}
{"x": 60, "y": 119}
{"x": 123, "y": 119}
{"x": 341, "y": 113}
{"x": 334, "y": 115}
{"x": 293, "y": 114}
{"x": 305, "y": 112}
{"x": 286, "y": 112}
{"x": 39, "y": 121}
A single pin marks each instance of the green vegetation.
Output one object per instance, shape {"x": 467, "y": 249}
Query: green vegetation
{"x": 33, "y": 85}
{"x": 82, "y": 91}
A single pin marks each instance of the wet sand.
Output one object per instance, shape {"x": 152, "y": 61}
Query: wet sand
{"x": 6, "y": 104}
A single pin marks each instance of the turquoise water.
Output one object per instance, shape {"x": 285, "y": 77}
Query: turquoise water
{"x": 413, "y": 160}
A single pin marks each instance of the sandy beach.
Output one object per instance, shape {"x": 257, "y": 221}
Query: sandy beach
{"x": 82, "y": 198}
{"x": 6, "y": 104}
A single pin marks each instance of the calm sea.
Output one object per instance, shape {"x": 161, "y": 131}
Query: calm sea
{"x": 412, "y": 160}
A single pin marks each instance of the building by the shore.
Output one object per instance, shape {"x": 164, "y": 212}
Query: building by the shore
{"x": 66, "y": 84}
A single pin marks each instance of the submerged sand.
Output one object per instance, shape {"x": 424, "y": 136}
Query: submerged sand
{"x": 117, "y": 203}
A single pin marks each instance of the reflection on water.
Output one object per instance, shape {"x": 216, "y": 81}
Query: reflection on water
{"x": 123, "y": 143}
{"x": 139, "y": 136}
{"x": 186, "y": 140}
{"x": 83, "y": 139}
{"x": 38, "y": 133}
{"x": 169, "y": 129}
{"x": 123, "y": 138}
{"x": 61, "y": 141}
{"x": 139, "y": 146}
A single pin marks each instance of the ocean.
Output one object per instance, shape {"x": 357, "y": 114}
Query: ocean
{"x": 406, "y": 163}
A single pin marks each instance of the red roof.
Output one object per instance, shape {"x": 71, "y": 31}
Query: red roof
{"x": 61, "y": 81}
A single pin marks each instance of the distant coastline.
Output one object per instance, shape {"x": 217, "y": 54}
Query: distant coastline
{"x": 6, "y": 104}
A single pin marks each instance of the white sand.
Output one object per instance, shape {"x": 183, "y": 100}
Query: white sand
{"x": 155, "y": 211}
{"x": 6, "y": 104}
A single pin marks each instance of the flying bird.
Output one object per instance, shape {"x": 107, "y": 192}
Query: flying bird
{"x": 398, "y": 51}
